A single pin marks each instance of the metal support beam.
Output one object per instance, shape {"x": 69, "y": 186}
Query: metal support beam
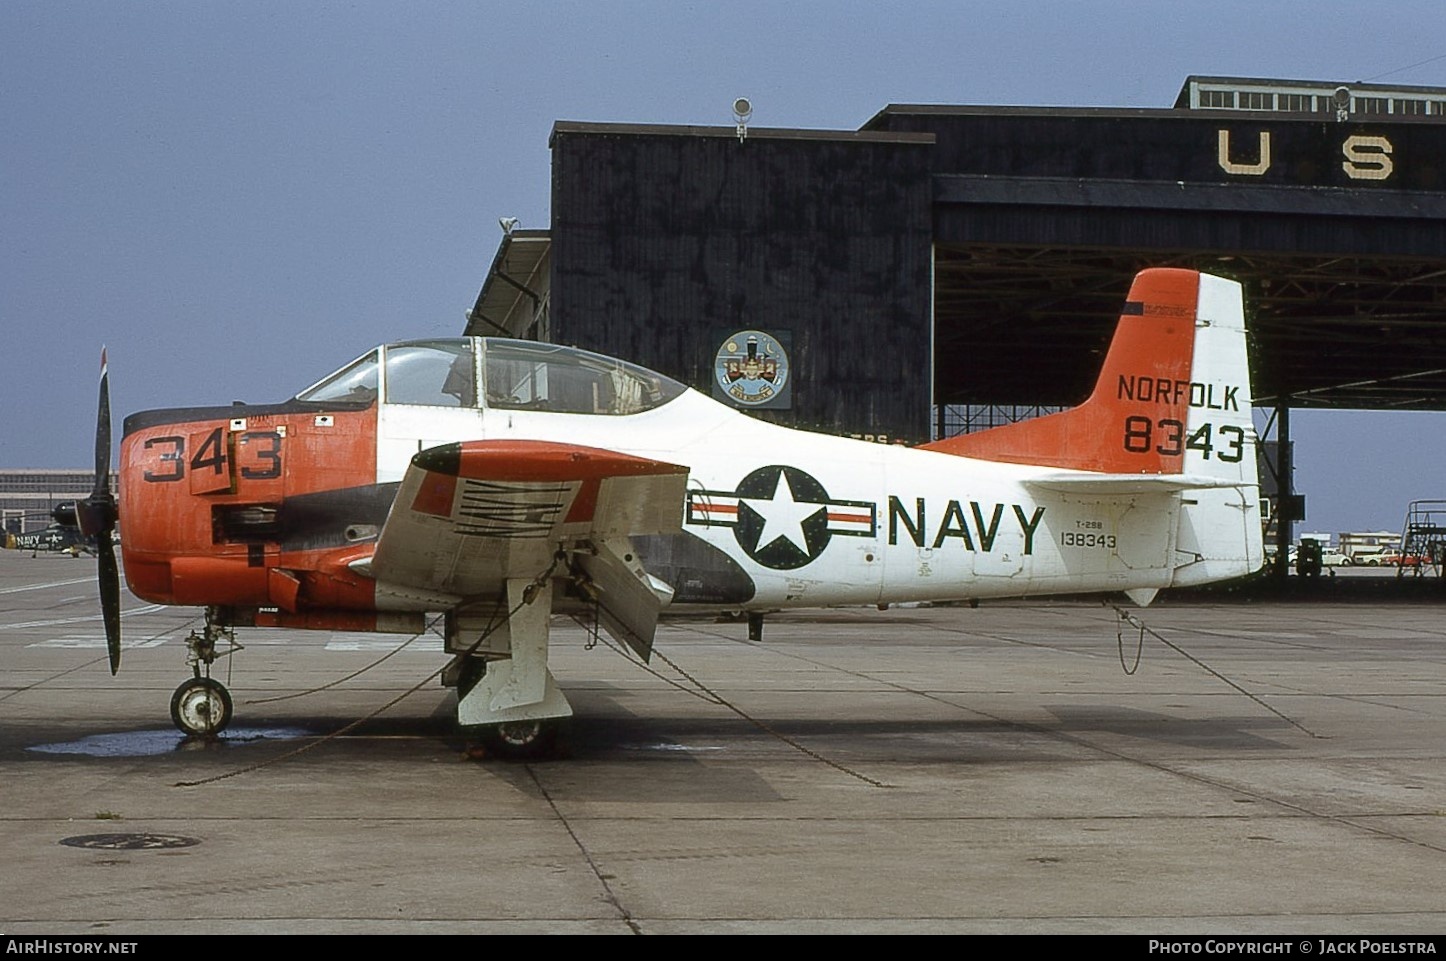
{"x": 1285, "y": 489}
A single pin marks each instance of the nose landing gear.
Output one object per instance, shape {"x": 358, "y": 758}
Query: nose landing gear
{"x": 202, "y": 706}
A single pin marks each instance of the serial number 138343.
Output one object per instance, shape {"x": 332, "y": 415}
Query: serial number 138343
{"x": 1087, "y": 539}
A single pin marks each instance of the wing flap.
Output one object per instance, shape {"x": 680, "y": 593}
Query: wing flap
{"x": 468, "y": 517}
{"x": 629, "y": 598}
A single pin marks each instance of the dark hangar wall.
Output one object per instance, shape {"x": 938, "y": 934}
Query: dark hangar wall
{"x": 1173, "y": 145}
{"x": 666, "y": 239}
{"x": 948, "y": 243}
{"x": 1166, "y": 179}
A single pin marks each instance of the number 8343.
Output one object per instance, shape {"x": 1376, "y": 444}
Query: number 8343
{"x": 1167, "y": 437}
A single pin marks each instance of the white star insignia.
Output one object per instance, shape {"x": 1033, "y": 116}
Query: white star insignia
{"x": 783, "y": 516}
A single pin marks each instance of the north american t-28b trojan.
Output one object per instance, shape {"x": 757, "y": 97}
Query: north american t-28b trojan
{"x": 500, "y": 481}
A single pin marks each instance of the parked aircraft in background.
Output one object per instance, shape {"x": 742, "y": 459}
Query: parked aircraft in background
{"x": 52, "y": 539}
{"x": 500, "y": 481}
{"x": 62, "y": 536}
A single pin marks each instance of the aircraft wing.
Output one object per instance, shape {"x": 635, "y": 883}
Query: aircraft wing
{"x": 471, "y": 517}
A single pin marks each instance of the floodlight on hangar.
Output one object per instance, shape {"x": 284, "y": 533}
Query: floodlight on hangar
{"x": 742, "y": 110}
{"x": 1342, "y": 99}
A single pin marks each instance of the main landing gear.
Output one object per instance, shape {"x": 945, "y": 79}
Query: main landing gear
{"x": 506, "y": 695}
{"x": 201, "y": 706}
{"x": 521, "y": 740}
{"x": 518, "y": 738}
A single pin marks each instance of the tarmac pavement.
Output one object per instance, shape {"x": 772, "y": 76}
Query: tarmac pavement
{"x": 917, "y": 770}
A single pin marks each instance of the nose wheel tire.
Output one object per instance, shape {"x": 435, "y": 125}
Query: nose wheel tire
{"x": 201, "y": 706}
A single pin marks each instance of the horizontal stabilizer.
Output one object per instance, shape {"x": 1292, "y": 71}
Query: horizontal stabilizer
{"x": 1112, "y": 484}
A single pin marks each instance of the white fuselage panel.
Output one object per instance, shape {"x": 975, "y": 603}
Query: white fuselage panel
{"x": 816, "y": 520}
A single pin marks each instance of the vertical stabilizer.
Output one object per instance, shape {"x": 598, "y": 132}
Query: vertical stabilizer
{"x": 1172, "y": 403}
{"x": 1146, "y": 378}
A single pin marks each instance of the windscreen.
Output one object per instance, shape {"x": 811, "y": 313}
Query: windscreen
{"x": 356, "y": 383}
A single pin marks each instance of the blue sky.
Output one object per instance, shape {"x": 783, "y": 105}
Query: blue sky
{"x": 237, "y": 197}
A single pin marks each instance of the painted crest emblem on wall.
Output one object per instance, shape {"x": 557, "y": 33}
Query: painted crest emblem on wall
{"x": 751, "y": 369}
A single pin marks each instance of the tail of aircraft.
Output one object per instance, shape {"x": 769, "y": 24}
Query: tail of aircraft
{"x": 1171, "y": 411}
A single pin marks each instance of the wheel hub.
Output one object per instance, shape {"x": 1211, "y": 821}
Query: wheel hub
{"x": 201, "y": 706}
{"x": 520, "y": 733}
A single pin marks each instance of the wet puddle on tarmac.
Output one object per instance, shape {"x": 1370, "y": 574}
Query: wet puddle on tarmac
{"x": 150, "y": 743}
{"x": 671, "y": 746}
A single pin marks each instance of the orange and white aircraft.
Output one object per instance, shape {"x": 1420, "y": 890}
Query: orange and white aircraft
{"x": 500, "y": 481}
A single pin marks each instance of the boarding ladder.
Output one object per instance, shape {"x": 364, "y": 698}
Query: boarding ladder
{"x": 1423, "y": 538}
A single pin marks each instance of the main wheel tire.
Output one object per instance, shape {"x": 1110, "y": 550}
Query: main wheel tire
{"x": 521, "y": 740}
{"x": 201, "y": 707}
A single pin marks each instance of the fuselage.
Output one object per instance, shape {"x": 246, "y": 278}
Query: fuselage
{"x": 279, "y": 506}
{"x": 54, "y": 538}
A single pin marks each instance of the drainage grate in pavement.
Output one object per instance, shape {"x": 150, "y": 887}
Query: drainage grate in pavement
{"x": 129, "y": 842}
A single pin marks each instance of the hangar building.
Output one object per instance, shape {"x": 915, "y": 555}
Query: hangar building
{"x": 28, "y": 496}
{"x": 945, "y": 267}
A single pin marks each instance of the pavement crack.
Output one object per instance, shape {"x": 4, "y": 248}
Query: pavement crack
{"x": 602, "y": 878}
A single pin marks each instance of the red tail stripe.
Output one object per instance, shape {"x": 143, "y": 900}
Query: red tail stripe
{"x": 1155, "y": 340}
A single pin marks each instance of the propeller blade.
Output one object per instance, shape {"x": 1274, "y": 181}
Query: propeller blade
{"x": 109, "y": 576}
{"x": 102, "y": 432}
{"x": 97, "y": 515}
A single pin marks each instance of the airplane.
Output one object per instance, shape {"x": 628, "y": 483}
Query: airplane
{"x": 499, "y": 481}
{"x": 62, "y": 536}
{"x": 53, "y": 538}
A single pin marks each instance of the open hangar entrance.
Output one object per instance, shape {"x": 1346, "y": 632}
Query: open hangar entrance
{"x": 946, "y": 259}
{"x": 1328, "y": 332}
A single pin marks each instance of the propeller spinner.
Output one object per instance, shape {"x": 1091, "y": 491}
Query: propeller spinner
{"x": 97, "y": 516}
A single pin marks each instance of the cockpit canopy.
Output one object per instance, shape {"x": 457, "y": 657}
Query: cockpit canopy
{"x": 512, "y": 374}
